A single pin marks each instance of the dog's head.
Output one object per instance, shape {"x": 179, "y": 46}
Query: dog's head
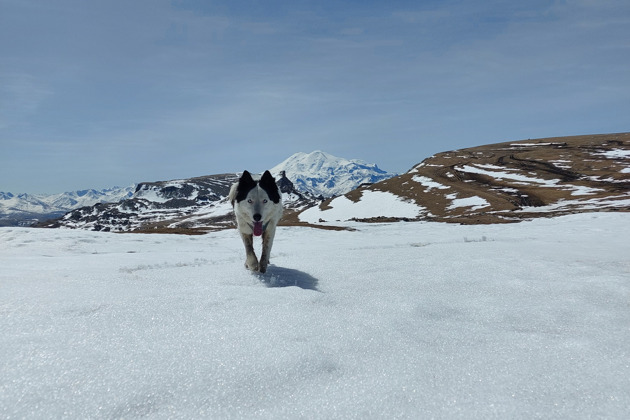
{"x": 258, "y": 200}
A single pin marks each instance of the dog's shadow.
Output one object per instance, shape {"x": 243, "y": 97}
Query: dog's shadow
{"x": 286, "y": 277}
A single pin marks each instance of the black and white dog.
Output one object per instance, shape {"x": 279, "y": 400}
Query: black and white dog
{"x": 258, "y": 208}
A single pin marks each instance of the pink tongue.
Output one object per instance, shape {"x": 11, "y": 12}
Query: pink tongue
{"x": 258, "y": 228}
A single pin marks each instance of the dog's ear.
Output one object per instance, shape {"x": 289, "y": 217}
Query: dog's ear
{"x": 268, "y": 183}
{"x": 245, "y": 184}
{"x": 245, "y": 177}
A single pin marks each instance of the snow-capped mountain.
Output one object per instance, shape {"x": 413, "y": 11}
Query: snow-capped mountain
{"x": 324, "y": 175}
{"x": 26, "y": 209}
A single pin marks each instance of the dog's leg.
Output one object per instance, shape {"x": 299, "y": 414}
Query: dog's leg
{"x": 267, "y": 243}
{"x": 251, "y": 262}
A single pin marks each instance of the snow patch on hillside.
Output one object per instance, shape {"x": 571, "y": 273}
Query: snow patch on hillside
{"x": 371, "y": 204}
{"x": 475, "y": 202}
{"x": 616, "y": 154}
{"x": 429, "y": 183}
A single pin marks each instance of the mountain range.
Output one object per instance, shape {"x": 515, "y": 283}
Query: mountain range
{"x": 27, "y": 209}
{"x": 148, "y": 204}
{"x": 496, "y": 183}
{"x": 200, "y": 204}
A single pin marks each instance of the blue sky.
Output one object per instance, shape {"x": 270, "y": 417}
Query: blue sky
{"x": 113, "y": 92}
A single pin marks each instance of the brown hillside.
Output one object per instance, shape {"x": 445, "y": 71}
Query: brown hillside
{"x": 518, "y": 180}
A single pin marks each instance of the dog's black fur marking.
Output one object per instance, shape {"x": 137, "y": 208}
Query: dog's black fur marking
{"x": 245, "y": 184}
{"x": 268, "y": 183}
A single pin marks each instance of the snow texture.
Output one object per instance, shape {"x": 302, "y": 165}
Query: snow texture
{"x": 429, "y": 183}
{"x": 616, "y": 154}
{"x": 372, "y": 204}
{"x": 475, "y": 202}
{"x": 500, "y": 173}
{"x": 403, "y": 320}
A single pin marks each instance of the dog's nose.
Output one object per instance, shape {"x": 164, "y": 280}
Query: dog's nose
{"x": 257, "y": 217}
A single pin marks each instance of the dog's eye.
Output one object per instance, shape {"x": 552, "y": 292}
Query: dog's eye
{"x": 265, "y": 201}
{"x": 250, "y": 201}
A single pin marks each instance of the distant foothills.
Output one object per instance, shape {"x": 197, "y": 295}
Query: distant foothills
{"x": 496, "y": 183}
{"x": 29, "y": 209}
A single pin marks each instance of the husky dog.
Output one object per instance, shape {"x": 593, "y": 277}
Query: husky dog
{"x": 258, "y": 208}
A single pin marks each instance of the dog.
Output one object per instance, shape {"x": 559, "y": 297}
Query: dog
{"x": 257, "y": 204}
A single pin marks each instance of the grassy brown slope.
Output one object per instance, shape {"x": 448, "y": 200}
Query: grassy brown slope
{"x": 569, "y": 165}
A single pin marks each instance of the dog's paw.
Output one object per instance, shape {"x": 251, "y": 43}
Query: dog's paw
{"x": 252, "y": 265}
{"x": 264, "y": 262}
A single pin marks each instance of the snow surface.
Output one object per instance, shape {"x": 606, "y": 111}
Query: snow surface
{"x": 429, "y": 183}
{"x": 593, "y": 204}
{"x": 616, "y": 154}
{"x": 503, "y": 173}
{"x": 404, "y": 320}
{"x": 475, "y": 202}
{"x": 372, "y": 204}
{"x": 152, "y": 194}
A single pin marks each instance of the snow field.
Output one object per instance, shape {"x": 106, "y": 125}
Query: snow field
{"x": 404, "y": 320}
